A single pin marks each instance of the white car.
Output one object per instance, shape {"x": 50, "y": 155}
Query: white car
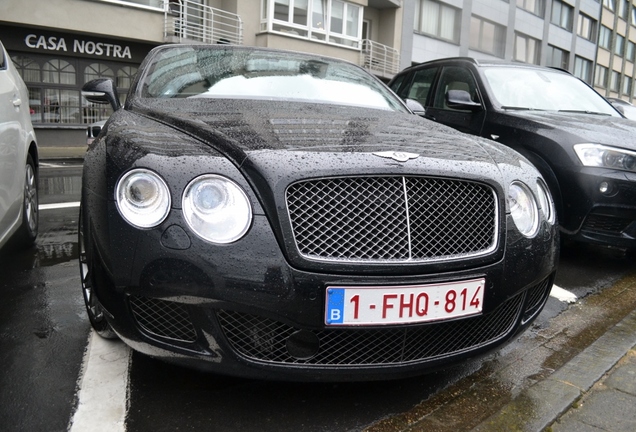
{"x": 18, "y": 159}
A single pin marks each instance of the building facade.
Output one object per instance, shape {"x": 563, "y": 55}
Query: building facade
{"x": 59, "y": 45}
{"x": 593, "y": 39}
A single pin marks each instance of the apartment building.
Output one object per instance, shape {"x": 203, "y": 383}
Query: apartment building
{"x": 616, "y": 54}
{"x": 594, "y": 39}
{"x": 58, "y": 45}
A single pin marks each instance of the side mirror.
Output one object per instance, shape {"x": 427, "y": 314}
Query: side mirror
{"x": 460, "y": 99}
{"x": 102, "y": 91}
{"x": 415, "y": 106}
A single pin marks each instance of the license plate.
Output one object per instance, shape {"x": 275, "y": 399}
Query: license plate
{"x": 379, "y": 305}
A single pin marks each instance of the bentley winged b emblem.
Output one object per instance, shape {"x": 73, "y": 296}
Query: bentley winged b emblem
{"x": 397, "y": 155}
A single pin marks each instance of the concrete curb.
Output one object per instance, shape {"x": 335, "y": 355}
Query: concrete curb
{"x": 52, "y": 153}
{"x": 538, "y": 406}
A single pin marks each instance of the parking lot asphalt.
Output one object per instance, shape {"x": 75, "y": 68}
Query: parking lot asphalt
{"x": 594, "y": 391}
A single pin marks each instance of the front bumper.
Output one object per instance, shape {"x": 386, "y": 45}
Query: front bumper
{"x": 606, "y": 218}
{"x": 241, "y": 309}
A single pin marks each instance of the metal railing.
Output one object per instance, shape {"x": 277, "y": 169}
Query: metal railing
{"x": 379, "y": 59}
{"x": 189, "y": 21}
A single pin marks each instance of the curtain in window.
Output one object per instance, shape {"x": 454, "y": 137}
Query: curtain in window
{"x": 337, "y": 16}
{"x": 28, "y": 69}
{"x": 318, "y": 13}
{"x": 429, "y": 20}
{"x": 447, "y": 30}
{"x": 352, "y": 21}
{"x": 300, "y": 12}
{"x": 58, "y": 72}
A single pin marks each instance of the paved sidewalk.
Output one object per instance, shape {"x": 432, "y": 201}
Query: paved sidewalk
{"x": 594, "y": 392}
{"x": 610, "y": 405}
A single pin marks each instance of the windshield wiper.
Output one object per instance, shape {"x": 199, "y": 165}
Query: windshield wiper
{"x": 585, "y": 112}
{"x": 515, "y": 108}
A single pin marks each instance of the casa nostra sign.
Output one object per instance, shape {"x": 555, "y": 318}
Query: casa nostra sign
{"x": 57, "y": 43}
{"x": 78, "y": 46}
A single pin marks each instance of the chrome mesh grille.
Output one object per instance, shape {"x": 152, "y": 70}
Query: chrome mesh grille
{"x": 264, "y": 339}
{"x": 163, "y": 318}
{"x": 392, "y": 218}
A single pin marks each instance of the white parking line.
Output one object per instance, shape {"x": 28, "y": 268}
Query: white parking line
{"x": 563, "y": 295}
{"x": 103, "y": 387}
{"x": 58, "y": 205}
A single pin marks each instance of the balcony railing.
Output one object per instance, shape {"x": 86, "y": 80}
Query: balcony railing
{"x": 379, "y": 59}
{"x": 189, "y": 21}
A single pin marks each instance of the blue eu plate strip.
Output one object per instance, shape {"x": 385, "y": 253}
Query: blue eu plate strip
{"x": 335, "y": 305}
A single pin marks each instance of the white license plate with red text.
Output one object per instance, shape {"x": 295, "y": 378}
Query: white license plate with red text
{"x": 379, "y": 305}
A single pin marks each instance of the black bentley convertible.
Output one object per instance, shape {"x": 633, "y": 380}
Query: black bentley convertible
{"x": 282, "y": 215}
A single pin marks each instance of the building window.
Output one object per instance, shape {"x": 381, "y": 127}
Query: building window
{"x": 487, "y": 37}
{"x": 615, "y": 81}
{"x": 534, "y": 6}
{"x": 54, "y": 88}
{"x": 558, "y": 57}
{"x": 437, "y": 19}
{"x": 526, "y": 49}
{"x": 634, "y": 16}
{"x": 562, "y": 14}
{"x": 623, "y": 8}
{"x": 600, "y": 77}
{"x": 125, "y": 76}
{"x": 610, "y": 4}
{"x": 28, "y": 68}
{"x": 583, "y": 69}
{"x": 627, "y": 86}
{"x": 332, "y": 21}
{"x": 605, "y": 37}
{"x": 586, "y": 27}
{"x": 97, "y": 70}
{"x": 619, "y": 45}
{"x": 58, "y": 71}
{"x": 630, "y": 53}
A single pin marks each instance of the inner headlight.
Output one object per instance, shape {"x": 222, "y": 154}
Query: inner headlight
{"x": 216, "y": 209}
{"x": 545, "y": 201}
{"x": 142, "y": 198}
{"x": 523, "y": 209}
{"x": 596, "y": 155}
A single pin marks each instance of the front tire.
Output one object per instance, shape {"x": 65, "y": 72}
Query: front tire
{"x": 88, "y": 268}
{"x": 28, "y": 231}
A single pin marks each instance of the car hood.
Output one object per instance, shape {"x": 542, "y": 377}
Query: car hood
{"x": 588, "y": 128}
{"x": 245, "y": 129}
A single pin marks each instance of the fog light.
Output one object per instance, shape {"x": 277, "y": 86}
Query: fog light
{"x": 605, "y": 188}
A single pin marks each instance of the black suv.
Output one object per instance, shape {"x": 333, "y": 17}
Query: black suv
{"x": 585, "y": 149}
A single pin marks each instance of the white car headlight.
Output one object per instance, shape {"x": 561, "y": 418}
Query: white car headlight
{"x": 523, "y": 209}
{"x": 142, "y": 198}
{"x": 216, "y": 209}
{"x": 596, "y": 155}
{"x": 545, "y": 201}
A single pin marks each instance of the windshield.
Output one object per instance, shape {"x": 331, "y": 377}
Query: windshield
{"x": 544, "y": 89}
{"x": 239, "y": 73}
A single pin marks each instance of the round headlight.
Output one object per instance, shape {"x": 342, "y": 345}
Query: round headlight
{"x": 216, "y": 209}
{"x": 545, "y": 201}
{"x": 142, "y": 198}
{"x": 523, "y": 209}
